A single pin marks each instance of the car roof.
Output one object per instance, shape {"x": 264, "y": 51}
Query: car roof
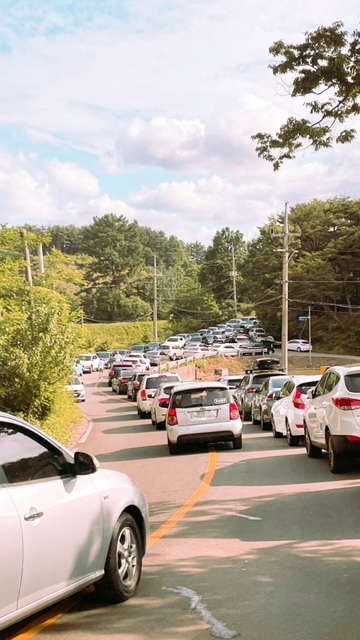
{"x": 209, "y": 384}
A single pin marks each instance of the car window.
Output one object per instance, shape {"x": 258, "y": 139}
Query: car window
{"x": 265, "y": 386}
{"x": 320, "y": 387}
{"x": 305, "y": 386}
{"x": 287, "y": 388}
{"x": 352, "y": 382}
{"x": 331, "y": 381}
{"x": 153, "y": 383}
{"x": 200, "y": 397}
{"x": 25, "y": 457}
{"x": 277, "y": 383}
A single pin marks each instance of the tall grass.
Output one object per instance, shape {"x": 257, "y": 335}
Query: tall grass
{"x": 103, "y": 337}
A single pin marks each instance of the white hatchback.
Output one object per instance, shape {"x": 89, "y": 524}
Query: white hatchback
{"x": 332, "y": 417}
{"x": 202, "y": 412}
{"x": 64, "y": 524}
{"x": 287, "y": 412}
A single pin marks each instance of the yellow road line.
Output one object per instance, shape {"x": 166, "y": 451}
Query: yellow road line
{"x": 184, "y": 510}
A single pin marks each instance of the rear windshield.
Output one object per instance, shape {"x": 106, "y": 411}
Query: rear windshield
{"x": 258, "y": 380}
{"x": 276, "y": 383}
{"x": 153, "y": 383}
{"x": 167, "y": 390}
{"x": 352, "y": 382}
{"x": 200, "y": 397}
{"x": 305, "y": 386}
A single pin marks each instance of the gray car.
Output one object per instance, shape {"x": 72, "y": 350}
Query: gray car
{"x": 264, "y": 399}
{"x": 246, "y": 390}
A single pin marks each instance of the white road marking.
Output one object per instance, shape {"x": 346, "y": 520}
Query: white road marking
{"x": 217, "y": 628}
{"x": 242, "y": 515}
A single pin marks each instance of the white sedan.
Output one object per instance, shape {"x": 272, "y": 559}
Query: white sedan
{"x": 64, "y": 524}
{"x": 299, "y": 345}
{"x": 227, "y": 349}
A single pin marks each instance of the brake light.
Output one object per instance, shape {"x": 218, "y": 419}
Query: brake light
{"x": 143, "y": 394}
{"x": 346, "y": 404}
{"x": 136, "y": 384}
{"x": 353, "y": 438}
{"x": 123, "y": 379}
{"x": 164, "y": 402}
{"x": 251, "y": 389}
{"x": 271, "y": 396}
{"x": 298, "y": 401}
{"x": 234, "y": 412}
{"x": 172, "y": 417}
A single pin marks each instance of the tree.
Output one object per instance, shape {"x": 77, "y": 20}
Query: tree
{"x": 327, "y": 66}
{"x": 36, "y": 343}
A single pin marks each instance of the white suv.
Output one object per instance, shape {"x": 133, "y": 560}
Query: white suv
{"x": 332, "y": 417}
{"x": 90, "y": 362}
{"x": 147, "y": 389}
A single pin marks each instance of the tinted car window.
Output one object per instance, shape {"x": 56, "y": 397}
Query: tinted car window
{"x": 331, "y": 382}
{"x": 200, "y": 397}
{"x": 305, "y": 386}
{"x": 287, "y": 388}
{"x": 352, "y": 382}
{"x": 24, "y": 457}
{"x": 276, "y": 383}
{"x": 153, "y": 383}
{"x": 258, "y": 380}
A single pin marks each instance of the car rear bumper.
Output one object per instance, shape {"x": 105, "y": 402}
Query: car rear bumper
{"x": 222, "y": 432}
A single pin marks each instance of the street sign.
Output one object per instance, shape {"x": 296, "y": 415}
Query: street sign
{"x": 303, "y": 318}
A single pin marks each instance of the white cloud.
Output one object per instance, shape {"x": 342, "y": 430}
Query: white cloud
{"x": 71, "y": 179}
{"x": 168, "y": 84}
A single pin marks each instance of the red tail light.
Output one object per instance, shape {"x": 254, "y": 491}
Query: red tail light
{"x": 136, "y": 384}
{"x": 124, "y": 379}
{"x": 298, "y": 401}
{"x": 251, "y": 389}
{"x": 353, "y": 439}
{"x": 234, "y": 412}
{"x": 164, "y": 402}
{"x": 271, "y": 396}
{"x": 172, "y": 417}
{"x": 143, "y": 394}
{"x": 346, "y": 404}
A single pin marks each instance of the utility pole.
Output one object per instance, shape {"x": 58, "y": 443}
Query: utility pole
{"x": 233, "y": 273}
{"x": 155, "y": 312}
{"x": 285, "y": 294}
{"x": 41, "y": 259}
{"x": 309, "y": 321}
{"x": 27, "y": 258}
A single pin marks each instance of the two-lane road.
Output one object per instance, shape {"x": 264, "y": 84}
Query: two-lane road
{"x": 261, "y": 543}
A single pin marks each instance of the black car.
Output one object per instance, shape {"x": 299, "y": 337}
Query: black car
{"x": 122, "y": 381}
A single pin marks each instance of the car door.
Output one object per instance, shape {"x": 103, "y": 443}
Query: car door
{"x": 283, "y": 406}
{"x": 11, "y": 552}
{"x": 60, "y": 514}
{"x": 315, "y": 410}
{"x": 326, "y": 407}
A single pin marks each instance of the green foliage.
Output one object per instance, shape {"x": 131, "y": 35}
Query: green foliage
{"x": 325, "y": 65}
{"x": 216, "y": 270}
{"x": 64, "y": 418}
{"x": 36, "y": 344}
{"x": 99, "y": 337}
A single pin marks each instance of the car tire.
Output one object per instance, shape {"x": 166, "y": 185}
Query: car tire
{"x": 276, "y": 434}
{"x": 298, "y": 349}
{"x": 246, "y": 414}
{"x": 264, "y": 425}
{"x": 253, "y": 419}
{"x": 142, "y": 414}
{"x": 337, "y": 461}
{"x": 160, "y": 425}
{"x": 133, "y": 397}
{"x": 292, "y": 441}
{"x": 237, "y": 442}
{"x": 311, "y": 450}
{"x": 123, "y": 564}
{"x": 173, "y": 448}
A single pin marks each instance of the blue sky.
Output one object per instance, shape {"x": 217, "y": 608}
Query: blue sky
{"x": 146, "y": 109}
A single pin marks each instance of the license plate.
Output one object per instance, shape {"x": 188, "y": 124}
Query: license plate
{"x": 204, "y": 415}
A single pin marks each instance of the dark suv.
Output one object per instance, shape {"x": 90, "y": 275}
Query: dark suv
{"x": 133, "y": 385}
{"x": 246, "y": 390}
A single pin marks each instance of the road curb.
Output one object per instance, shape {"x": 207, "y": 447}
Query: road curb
{"x": 81, "y": 432}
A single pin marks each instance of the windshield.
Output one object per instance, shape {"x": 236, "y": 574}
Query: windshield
{"x": 200, "y": 397}
{"x": 85, "y": 357}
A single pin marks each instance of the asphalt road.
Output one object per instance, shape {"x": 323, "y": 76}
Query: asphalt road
{"x": 260, "y": 543}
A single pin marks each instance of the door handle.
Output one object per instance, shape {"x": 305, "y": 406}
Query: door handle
{"x": 33, "y": 516}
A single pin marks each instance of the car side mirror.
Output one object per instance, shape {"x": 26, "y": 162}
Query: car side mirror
{"x": 85, "y": 463}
